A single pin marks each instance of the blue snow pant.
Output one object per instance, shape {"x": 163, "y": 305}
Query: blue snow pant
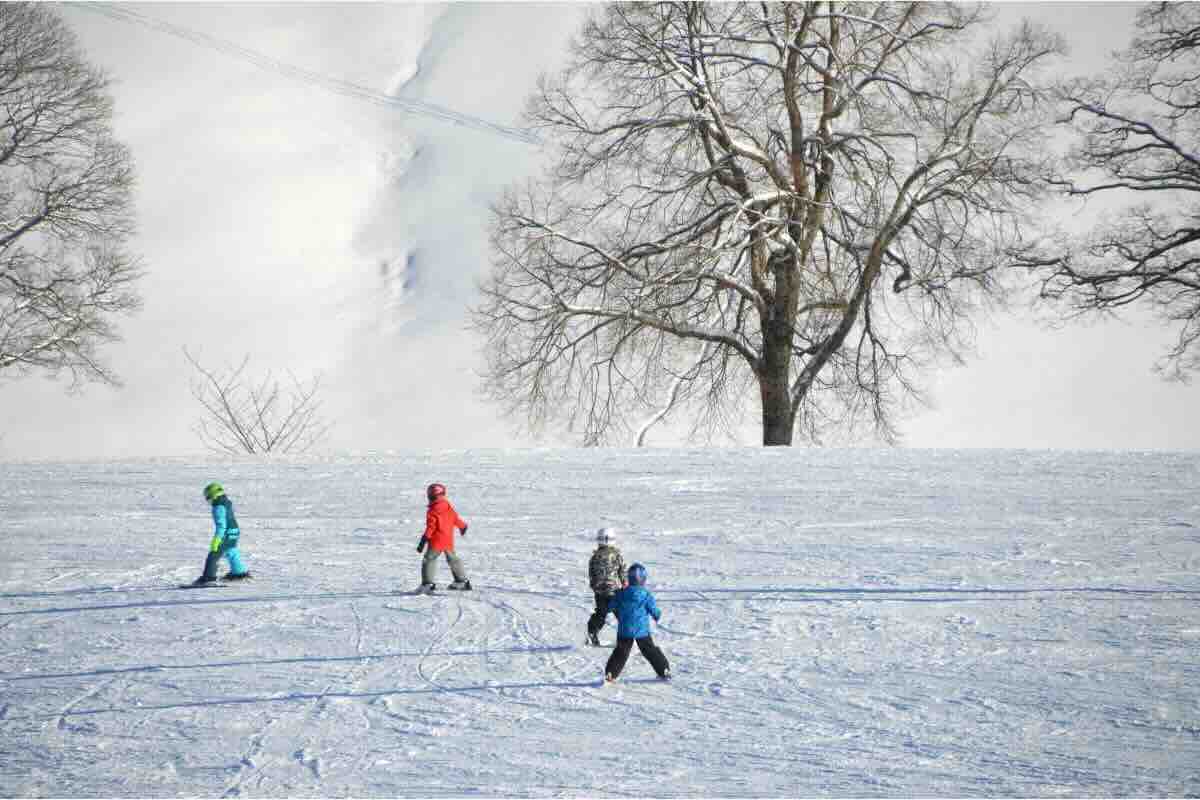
{"x": 228, "y": 551}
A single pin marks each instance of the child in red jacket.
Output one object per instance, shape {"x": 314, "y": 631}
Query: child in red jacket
{"x": 440, "y": 521}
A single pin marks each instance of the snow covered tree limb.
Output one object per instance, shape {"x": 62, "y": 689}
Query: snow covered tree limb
{"x": 1138, "y": 130}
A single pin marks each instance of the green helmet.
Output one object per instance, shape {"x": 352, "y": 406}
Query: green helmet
{"x": 213, "y": 491}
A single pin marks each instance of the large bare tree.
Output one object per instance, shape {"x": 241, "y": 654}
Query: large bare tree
{"x": 1139, "y": 145}
{"x": 65, "y": 203}
{"x": 794, "y": 204}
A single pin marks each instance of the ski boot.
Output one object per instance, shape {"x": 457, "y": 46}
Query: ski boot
{"x": 462, "y": 586}
{"x": 427, "y": 588}
{"x": 241, "y": 576}
{"x": 203, "y": 580}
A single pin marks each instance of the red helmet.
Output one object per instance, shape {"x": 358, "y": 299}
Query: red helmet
{"x": 435, "y": 491}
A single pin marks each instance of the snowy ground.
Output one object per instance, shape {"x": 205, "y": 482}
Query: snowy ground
{"x": 846, "y": 622}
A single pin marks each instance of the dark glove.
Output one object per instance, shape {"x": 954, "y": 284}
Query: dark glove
{"x": 463, "y": 532}
{"x": 421, "y": 544}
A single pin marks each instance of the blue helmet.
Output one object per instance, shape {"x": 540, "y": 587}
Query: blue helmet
{"x": 637, "y": 575}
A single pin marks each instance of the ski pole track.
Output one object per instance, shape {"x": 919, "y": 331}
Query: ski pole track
{"x": 426, "y": 654}
{"x": 525, "y": 633}
{"x": 256, "y": 770}
{"x": 486, "y": 696}
{"x": 309, "y": 757}
{"x": 63, "y": 723}
{"x": 253, "y": 767}
{"x": 481, "y": 698}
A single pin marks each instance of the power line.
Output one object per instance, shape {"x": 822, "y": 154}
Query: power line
{"x": 335, "y": 85}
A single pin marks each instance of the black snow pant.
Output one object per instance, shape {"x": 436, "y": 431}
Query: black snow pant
{"x": 596, "y": 621}
{"x": 620, "y": 654}
{"x": 228, "y": 551}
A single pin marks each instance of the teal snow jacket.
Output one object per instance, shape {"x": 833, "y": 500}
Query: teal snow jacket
{"x": 224, "y": 522}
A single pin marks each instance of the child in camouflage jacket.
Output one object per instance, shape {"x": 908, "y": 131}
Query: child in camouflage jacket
{"x": 606, "y": 574}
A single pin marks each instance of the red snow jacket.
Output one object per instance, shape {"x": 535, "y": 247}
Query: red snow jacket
{"x": 440, "y": 521}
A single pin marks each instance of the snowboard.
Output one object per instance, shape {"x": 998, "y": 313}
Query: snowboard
{"x": 419, "y": 590}
{"x": 219, "y": 583}
{"x": 604, "y": 680}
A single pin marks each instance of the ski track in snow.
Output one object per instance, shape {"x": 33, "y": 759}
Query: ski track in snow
{"x": 862, "y": 623}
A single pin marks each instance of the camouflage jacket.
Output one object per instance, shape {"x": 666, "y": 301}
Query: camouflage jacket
{"x": 606, "y": 570}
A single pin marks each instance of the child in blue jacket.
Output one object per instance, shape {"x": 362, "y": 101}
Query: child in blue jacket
{"x": 224, "y": 543}
{"x": 633, "y": 606}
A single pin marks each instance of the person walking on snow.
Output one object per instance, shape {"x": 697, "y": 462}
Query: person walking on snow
{"x": 225, "y": 538}
{"x": 606, "y": 574}
{"x": 634, "y": 605}
{"x": 440, "y": 521}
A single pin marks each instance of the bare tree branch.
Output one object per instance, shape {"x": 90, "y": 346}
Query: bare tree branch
{"x": 1138, "y": 131}
{"x": 247, "y": 416}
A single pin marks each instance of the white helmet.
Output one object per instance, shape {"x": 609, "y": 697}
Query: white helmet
{"x": 605, "y": 536}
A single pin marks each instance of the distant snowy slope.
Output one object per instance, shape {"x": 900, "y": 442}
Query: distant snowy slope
{"x": 840, "y": 622}
{"x": 312, "y": 228}
{"x": 408, "y": 370}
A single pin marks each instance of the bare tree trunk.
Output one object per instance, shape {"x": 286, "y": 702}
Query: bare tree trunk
{"x": 774, "y": 382}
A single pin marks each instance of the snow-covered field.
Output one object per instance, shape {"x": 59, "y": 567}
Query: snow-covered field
{"x": 840, "y": 622}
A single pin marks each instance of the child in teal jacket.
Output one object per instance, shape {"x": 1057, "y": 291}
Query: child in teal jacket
{"x": 224, "y": 542}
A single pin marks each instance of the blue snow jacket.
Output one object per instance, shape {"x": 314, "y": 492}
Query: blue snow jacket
{"x": 634, "y": 605}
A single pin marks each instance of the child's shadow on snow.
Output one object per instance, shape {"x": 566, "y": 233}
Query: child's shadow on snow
{"x": 227, "y": 595}
{"x": 304, "y": 697}
{"x": 294, "y": 660}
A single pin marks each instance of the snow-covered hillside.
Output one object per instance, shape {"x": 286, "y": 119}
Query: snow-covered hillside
{"x": 847, "y": 622}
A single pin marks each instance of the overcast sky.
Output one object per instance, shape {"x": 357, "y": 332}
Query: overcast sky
{"x": 320, "y": 233}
